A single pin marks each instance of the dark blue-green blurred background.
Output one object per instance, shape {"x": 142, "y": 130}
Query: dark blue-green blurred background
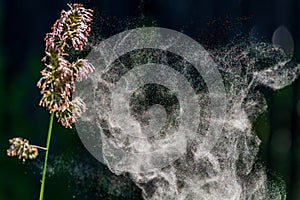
{"x": 77, "y": 174}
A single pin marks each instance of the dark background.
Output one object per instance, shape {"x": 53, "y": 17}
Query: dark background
{"x": 76, "y": 174}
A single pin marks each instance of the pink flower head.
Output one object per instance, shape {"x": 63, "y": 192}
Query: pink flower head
{"x": 58, "y": 78}
{"x": 73, "y": 25}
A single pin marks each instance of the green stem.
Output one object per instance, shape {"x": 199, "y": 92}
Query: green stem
{"x": 39, "y": 147}
{"x": 46, "y": 157}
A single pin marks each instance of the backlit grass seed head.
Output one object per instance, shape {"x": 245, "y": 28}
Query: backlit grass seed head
{"x": 71, "y": 114}
{"x": 56, "y": 84}
{"x": 22, "y": 149}
{"x": 82, "y": 68}
{"x": 58, "y": 78}
{"x": 73, "y": 25}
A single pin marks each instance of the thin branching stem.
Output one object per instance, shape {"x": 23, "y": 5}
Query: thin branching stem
{"x": 46, "y": 157}
{"x": 39, "y": 147}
